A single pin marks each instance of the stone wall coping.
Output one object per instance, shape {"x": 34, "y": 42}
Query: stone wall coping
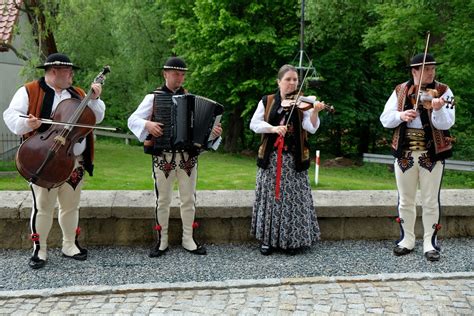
{"x": 236, "y": 203}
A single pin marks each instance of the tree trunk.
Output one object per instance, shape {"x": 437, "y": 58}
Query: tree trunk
{"x": 234, "y": 130}
{"x": 364, "y": 139}
{"x": 43, "y": 36}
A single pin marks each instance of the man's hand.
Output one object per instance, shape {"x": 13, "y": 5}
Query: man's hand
{"x": 33, "y": 122}
{"x": 437, "y": 103}
{"x": 154, "y": 128}
{"x": 216, "y": 131}
{"x": 408, "y": 115}
{"x": 97, "y": 88}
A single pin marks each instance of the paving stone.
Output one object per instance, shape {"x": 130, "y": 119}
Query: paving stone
{"x": 453, "y": 296}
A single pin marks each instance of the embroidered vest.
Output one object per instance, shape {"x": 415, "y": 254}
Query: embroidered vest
{"x": 41, "y": 98}
{"x": 301, "y": 152}
{"x": 438, "y": 142}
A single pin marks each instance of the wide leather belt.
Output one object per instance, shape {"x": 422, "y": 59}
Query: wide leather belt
{"x": 415, "y": 139}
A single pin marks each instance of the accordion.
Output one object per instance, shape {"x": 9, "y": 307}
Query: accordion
{"x": 187, "y": 121}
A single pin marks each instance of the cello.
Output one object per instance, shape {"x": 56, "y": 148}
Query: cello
{"x": 47, "y": 158}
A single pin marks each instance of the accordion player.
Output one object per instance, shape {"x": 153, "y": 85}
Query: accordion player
{"x": 188, "y": 121}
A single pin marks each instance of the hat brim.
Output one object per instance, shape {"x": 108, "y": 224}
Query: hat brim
{"x": 48, "y": 66}
{"x": 58, "y": 64}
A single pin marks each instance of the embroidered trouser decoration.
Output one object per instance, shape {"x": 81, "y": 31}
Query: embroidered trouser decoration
{"x": 164, "y": 182}
{"x": 428, "y": 177}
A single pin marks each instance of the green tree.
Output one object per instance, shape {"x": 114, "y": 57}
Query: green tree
{"x": 352, "y": 76}
{"x": 38, "y": 39}
{"x": 234, "y": 50}
{"x": 128, "y": 36}
{"x": 400, "y": 32}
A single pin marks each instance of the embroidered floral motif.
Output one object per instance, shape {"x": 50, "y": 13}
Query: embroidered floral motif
{"x": 425, "y": 162}
{"x": 166, "y": 166}
{"x": 188, "y": 165}
{"x": 76, "y": 177}
{"x": 406, "y": 162}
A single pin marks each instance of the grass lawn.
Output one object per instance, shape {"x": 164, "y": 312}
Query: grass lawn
{"x": 122, "y": 167}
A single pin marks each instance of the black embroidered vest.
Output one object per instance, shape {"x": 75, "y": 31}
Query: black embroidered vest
{"x": 298, "y": 140}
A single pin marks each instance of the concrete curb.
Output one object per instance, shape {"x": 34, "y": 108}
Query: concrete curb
{"x": 221, "y": 285}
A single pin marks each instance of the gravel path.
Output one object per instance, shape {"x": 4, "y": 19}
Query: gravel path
{"x": 128, "y": 265}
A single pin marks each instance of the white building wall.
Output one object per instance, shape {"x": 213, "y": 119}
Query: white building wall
{"x": 10, "y": 81}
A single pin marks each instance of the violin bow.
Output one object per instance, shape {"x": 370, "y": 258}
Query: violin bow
{"x": 415, "y": 107}
{"x": 299, "y": 91}
{"x": 48, "y": 121}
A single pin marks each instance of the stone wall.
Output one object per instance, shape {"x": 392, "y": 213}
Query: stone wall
{"x": 127, "y": 217}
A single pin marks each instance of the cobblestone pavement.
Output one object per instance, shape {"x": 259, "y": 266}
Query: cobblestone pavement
{"x": 420, "y": 294}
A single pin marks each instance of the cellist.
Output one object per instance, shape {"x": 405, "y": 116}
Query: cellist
{"x": 38, "y": 99}
{"x": 420, "y": 144}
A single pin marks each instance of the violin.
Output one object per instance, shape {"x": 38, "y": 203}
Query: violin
{"x": 304, "y": 103}
{"x": 427, "y": 95}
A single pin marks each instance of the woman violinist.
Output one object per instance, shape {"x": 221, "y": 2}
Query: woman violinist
{"x": 421, "y": 142}
{"x": 283, "y": 213}
{"x": 39, "y": 99}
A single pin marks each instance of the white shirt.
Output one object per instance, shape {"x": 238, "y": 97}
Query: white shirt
{"x": 260, "y": 126}
{"x": 19, "y": 106}
{"x": 443, "y": 119}
{"x": 136, "y": 121}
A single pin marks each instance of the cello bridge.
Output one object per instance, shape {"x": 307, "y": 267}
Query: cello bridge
{"x": 60, "y": 139}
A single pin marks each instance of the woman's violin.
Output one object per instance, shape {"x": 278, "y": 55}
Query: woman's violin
{"x": 304, "y": 103}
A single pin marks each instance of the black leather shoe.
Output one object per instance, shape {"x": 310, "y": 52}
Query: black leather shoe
{"x": 156, "y": 252}
{"x": 401, "y": 251}
{"x": 81, "y": 256}
{"x": 36, "y": 263}
{"x": 266, "y": 250}
{"x": 432, "y": 255}
{"x": 200, "y": 250}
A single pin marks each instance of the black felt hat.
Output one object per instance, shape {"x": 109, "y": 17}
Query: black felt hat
{"x": 417, "y": 60}
{"x": 175, "y": 63}
{"x": 58, "y": 60}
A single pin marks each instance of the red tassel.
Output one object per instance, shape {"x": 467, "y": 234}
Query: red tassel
{"x": 195, "y": 225}
{"x": 35, "y": 237}
{"x": 438, "y": 227}
{"x": 78, "y": 231}
{"x": 398, "y": 219}
{"x": 157, "y": 227}
{"x": 279, "y": 143}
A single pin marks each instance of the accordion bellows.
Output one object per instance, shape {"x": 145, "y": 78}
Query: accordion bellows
{"x": 188, "y": 121}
